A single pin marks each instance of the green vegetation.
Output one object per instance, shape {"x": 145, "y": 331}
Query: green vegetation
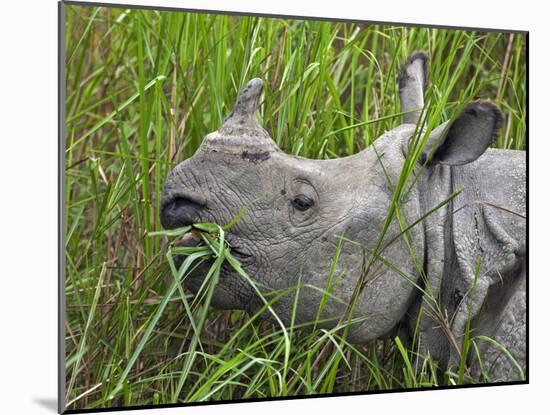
{"x": 143, "y": 89}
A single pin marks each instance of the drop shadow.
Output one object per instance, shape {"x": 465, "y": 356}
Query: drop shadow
{"x": 48, "y": 403}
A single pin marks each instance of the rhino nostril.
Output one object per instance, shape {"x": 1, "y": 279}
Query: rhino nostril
{"x": 179, "y": 202}
{"x": 181, "y": 210}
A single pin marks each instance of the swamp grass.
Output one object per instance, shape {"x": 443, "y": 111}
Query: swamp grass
{"x": 143, "y": 89}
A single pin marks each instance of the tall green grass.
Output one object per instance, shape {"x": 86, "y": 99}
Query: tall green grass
{"x": 143, "y": 88}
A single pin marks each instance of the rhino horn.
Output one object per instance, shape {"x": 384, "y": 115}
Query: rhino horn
{"x": 243, "y": 115}
{"x": 241, "y": 130}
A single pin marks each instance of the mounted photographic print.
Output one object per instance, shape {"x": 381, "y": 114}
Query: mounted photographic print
{"x": 268, "y": 207}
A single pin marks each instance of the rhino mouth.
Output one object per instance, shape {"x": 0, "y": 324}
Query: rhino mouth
{"x": 237, "y": 250}
{"x": 193, "y": 239}
{"x": 189, "y": 240}
{"x": 194, "y": 280}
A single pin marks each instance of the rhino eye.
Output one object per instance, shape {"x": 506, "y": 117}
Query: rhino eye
{"x": 302, "y": 202}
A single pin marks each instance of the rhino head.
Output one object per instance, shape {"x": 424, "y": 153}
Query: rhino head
{"x": 298, "y": 212}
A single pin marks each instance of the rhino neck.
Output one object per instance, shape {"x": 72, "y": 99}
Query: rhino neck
{"x": 434, "y": 187}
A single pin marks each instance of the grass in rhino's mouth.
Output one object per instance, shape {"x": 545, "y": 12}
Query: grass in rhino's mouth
{"x": 190, "y": 239}
{"x": 200, "y": 241}
{"x": 193, "y": 238}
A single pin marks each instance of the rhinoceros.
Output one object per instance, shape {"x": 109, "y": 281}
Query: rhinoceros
{"x": 449, "y": 261}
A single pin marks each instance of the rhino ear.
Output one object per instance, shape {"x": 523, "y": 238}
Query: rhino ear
{"x": 466, "y": 138}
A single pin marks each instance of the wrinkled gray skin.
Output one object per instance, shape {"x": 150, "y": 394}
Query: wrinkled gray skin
{"x": 298, "y": 209}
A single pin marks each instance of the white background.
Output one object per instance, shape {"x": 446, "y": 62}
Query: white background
{"x": 28, "y": 204}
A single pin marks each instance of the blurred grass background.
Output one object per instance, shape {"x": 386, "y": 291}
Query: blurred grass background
{"x": 143, "y": 89}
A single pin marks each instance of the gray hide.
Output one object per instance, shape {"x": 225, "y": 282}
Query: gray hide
{"x": 469, "y": 254}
